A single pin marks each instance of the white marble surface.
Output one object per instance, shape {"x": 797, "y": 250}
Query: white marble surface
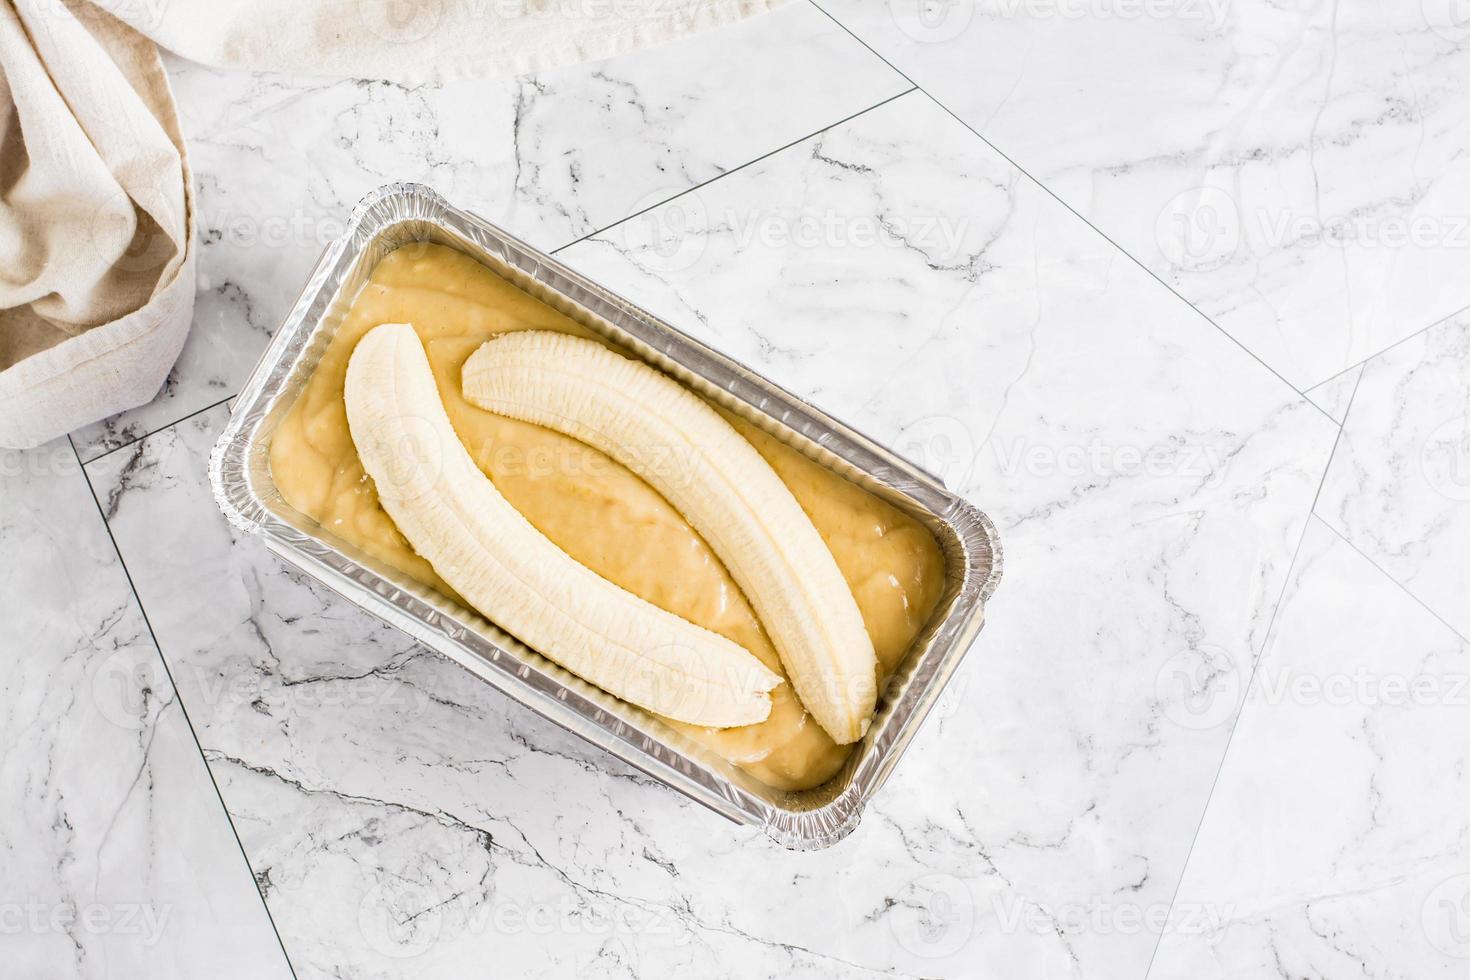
{"x": 1147, "y": 534}
{"x": 397, "y": 737}
{"x": 1083, "y": 802}
{"x": 116, "y": 857}
{"x": 279, "y": 163}
{"x": 1296, "y": 170}
{"x": 1336, "y": 394}
{"x": 1399, "y": 486}
{"x": 1354, "y": 728}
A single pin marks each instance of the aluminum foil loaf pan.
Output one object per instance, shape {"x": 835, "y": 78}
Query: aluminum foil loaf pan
{"x": 398, "y": 214}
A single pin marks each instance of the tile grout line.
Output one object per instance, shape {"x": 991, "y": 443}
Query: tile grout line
{"x": 1245, "y": 695}
{"x": 1311, "y": 516}
{"x": 1347, "y": 410}
{"x": 1251, "y": 681}
{"x": 179, "y": 698}
{"x": 1442, "y": 321}
{"x": 151, "y": 432}
{"x": 1311, "y": 510}
{"x": 1208, "y": 319}
{"x": 913, "y": 87}
{"x": 754, "y": 160}
{"x": 576, "y": 241}
{"x": 1312, "y": 513}
{"x": 1346, "y": 414}
{"x": 1071, "y": 210}
{"x": 1386, "y": 574}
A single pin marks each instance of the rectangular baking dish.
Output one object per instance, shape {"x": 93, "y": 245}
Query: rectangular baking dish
{"x": 398, "y": 214}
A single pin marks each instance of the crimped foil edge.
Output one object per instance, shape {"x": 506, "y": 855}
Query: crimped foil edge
{"x": 972, "y": 545}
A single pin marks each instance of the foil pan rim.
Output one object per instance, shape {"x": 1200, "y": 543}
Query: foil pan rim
{"x": 241, "y": 489}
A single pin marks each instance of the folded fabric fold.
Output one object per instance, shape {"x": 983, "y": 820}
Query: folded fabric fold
{"x": 96, "y": 220}
{"x": 96, "y": 205}
{"x": 413, "y": 41}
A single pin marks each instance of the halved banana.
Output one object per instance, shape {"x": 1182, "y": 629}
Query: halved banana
{"x": 497, "y": 560}
{"x": 716, "y": 479}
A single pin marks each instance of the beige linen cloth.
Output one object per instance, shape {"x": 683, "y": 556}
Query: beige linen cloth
{"x": 96, "y": 203}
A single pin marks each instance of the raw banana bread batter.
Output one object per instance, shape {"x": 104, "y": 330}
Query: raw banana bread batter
{"x": 592, "y": 507}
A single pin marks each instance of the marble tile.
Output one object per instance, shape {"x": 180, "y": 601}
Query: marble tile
{"x": 117, "y": 858}
{"x": 279, "y": 162}
{"x": 1151, "y": 482}
{"x": 1337, "y": 841}
{"x": 1382, "y": 932}
{"x": 1334, "y": 396}
{"x": 1294, "y": 170}
{"x": 1399, "y": 484}
{"x": 405, "y": 820}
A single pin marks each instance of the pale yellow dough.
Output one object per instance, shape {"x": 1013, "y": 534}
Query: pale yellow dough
{"x": 596, "y": 510}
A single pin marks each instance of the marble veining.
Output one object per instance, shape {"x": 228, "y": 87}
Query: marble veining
{"x": 279, "y": 163}
{"x": 1294, "y": 170}
{"x": 1399, "y": 485}
{"x": 1132, "y": 509}
{"x": 1359, "y": 681}
{"x": 116, "y": 857}
{"x": 1335, "y": 395}
{"x": 480, "y": 812}
{"x": 1153, "y": 284}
